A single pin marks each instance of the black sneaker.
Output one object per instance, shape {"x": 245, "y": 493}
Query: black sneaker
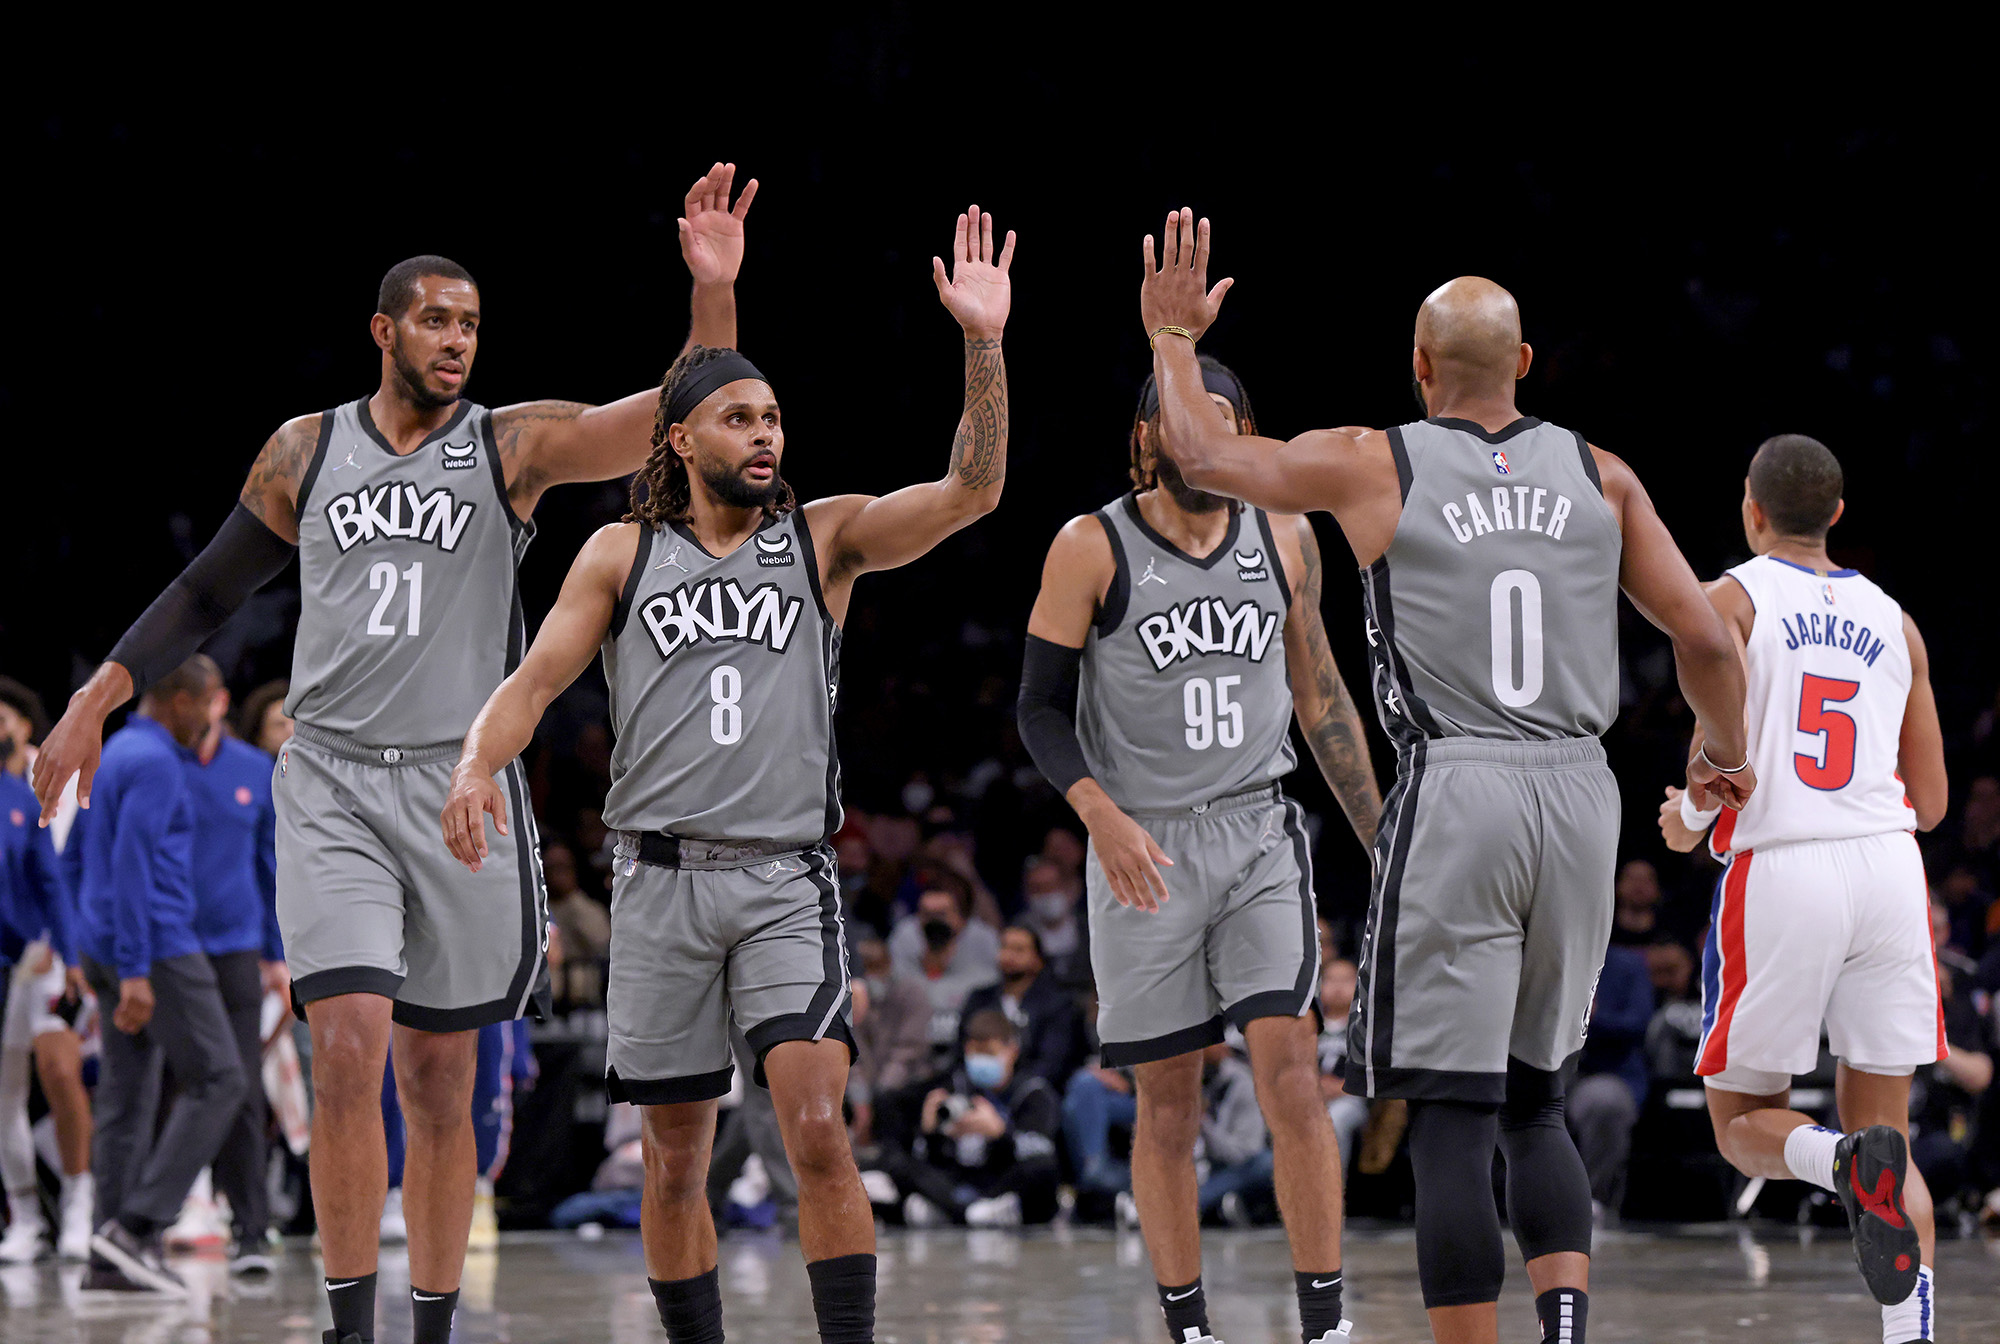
{"x": 1870, "y": 1167}
{"x": 248, "y": 1259}
{"x": 331, "y": 1338}
{"x": 139, "y": 1260}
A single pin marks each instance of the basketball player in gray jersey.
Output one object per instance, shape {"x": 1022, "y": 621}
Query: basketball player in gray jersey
{"x": 409, "y": 510}
{"x": 717, "y": 606}
{"x": 1157, "y": 694}
{"x": 1493, "y": 547}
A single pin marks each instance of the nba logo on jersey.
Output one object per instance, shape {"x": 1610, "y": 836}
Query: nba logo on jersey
{"x": 1826, "y": 591}
{"x": 1500, "y": 462}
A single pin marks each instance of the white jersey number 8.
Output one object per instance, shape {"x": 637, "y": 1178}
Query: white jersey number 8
{"x": 1511, "y": 693}
{"x": 1210, "y": 714}
{"x": 725, "y": 721}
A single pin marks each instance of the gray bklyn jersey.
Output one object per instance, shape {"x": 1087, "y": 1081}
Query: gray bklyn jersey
{"x": 723, "y": 676}
{"x": 410, "y": 613}
{"x": 1183, "y": 695}
{"x": 1494, "y": 612}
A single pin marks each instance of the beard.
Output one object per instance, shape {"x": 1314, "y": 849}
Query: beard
{"x": 727, "y": 484}
{"x": 414, "y": 386}
{"x": 1191, "y": 500}
{"x": 1417, "y": 391}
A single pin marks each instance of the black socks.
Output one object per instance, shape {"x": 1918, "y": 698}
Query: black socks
{"x": 430, "y": 1315}
{"x": 691, "y": 1309}
{"x": 1319, "y": 1303}
{"x": 353, "y": 1303}
{"x": 1186, "y": 1308}
{"x": 1561, "y": 1312}
{"x": 843, "y": 1289}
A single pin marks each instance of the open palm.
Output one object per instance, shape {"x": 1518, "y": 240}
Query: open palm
{"x": 711, "y": 231}
{"x": 976, "y": 290}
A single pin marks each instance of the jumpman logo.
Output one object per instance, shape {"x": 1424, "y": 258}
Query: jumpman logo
{"x": 1149, "y": 576}
{"x": 350, "y": 462}
{"x": 1878, "y": 1200}
{"x": 674, "y": 559}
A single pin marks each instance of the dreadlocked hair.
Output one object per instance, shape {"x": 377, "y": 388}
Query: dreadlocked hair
{"x": 661, "y": 492}
{"x": 1143, "y": 475}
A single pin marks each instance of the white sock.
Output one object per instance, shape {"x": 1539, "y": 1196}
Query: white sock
{"x": 1915, "y": 1317}
{"x": 24, "y": 1208}
{"x": 1809, "y": 1154}
{"x": 78, "y": 1187}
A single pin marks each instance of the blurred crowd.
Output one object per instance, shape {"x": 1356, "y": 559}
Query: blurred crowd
{"x": 978, "y": 1097}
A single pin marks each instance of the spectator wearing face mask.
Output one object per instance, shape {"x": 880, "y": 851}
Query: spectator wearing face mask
{"x": 1049, "y": 901}
{"x": 949, "y": 952}
{"x": 975, "y": 1144}
{"x": 892, "y": 1034}
{"x": 1042, "y": 1011}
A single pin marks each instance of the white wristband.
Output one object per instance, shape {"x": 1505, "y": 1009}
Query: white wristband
{"x": 1695, "y": 820}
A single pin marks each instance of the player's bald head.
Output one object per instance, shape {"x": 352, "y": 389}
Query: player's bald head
{"x": 1470, "y": 330}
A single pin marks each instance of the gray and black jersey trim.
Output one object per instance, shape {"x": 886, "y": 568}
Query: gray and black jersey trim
{"x": 822, "y": 1017}
{"x": 623, "y": 611}
{"x": 312, "y": 468}
{"x": 1407, "y": 719}
{"x": 830, "y": 637}
{"x": 529, "y": 991}
{"x": 1276, "y": 561}
{"x": 1119, "y": 595}
{"x": 1305, "y": 992}
{"x": 1371, "y": 1025}
{"x": 1589, "y": 461}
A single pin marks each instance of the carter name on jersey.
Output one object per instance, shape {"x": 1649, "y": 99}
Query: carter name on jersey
{"x": 721, "y": 612}
{"x": 1206, "y": 625}
{"x": 1519, "y": 508}
{"x": 396, "y": 509}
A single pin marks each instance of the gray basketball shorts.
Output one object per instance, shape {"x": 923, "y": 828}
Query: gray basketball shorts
{"x": 1489, "y": 918}
{"x": 371, "y": 902}
{"x": 1237, "y": 938}
{"x": 693, "y": 945}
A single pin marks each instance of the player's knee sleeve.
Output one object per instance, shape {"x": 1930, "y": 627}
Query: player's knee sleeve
{"x": 1460, "y": 1260}
{"x": 1548, "y": 1189}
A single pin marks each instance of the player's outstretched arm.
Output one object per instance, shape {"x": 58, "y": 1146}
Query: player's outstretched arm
{"x": 1326, "y": 712}
{"x": 1657, "y": 578}
{"x": 1075, "y": 578}
{"x": 857, "y": 533}
{"x": 253, "y": 545}
{"x": 545, "y": 443}
{"x": 1920, "y": 754}
{"x": 1177, "y": 305}
{"x": 563, "y": 647}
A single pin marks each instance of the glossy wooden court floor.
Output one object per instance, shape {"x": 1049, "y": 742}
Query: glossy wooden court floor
{"x": 1058, "y": 1287}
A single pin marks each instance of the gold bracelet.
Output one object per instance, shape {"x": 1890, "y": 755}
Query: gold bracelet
{"x": 1154, "y": 339}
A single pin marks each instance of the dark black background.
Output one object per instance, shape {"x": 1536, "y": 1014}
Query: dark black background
{"x": 1707, "y": 250}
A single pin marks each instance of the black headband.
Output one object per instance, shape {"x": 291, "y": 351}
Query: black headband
{"x": 695, "y": 389}
{"x": 1213, "y": 377}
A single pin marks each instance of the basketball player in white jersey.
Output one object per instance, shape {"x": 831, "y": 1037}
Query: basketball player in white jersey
{"x": 1822, "y": 912}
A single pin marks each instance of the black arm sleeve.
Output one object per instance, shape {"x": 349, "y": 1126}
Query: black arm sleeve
{"x": 1046, "y": 711}
{"x": 243, "y": 557}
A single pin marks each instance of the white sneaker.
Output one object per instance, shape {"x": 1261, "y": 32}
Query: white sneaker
{"x": 485, "y": 1232}
{"x": 1235, "y": 1214}
{"x": 200, "y": 1224}
{"x": 920, "y": 1212}
{"x": 26, "y": 1234}
{"x": 881, "y": 1188}
{"x": 394, "y": 1231}
{"x": 1193, "y": 1336}
{"x": 79, "y": 1195}
{"x": 1127, "y": 1209}
{"x": 1341, "y": 1335}
{"x": 999, "y": 1211}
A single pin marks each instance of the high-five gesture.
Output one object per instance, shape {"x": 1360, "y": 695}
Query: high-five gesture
{"x": 1177, "y": 293}
{"x": 711, "y": 230}
{"x": 977, "y": 290}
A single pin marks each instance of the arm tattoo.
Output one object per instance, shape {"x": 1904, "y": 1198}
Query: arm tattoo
{"x": 1338, "y": 741}
{"x": 279, "y": 468}
{"x": 979, "y": 452}
{"x": 515, "y": 431}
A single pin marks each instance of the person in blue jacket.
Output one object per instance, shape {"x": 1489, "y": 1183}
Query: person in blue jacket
{"x": 236, "y": 923}
{"x": 130, "y": 856}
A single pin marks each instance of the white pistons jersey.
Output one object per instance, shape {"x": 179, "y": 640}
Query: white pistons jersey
{"x": 1829, "y": 677}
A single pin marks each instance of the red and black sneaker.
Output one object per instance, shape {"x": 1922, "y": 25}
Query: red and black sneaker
{"x": 1870, "y": 1167}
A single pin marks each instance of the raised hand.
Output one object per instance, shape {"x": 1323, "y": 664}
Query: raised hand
{"x": 977, "y": 290}
{"x": 711, "y": 230}
{"x": 1174, "y": 291}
